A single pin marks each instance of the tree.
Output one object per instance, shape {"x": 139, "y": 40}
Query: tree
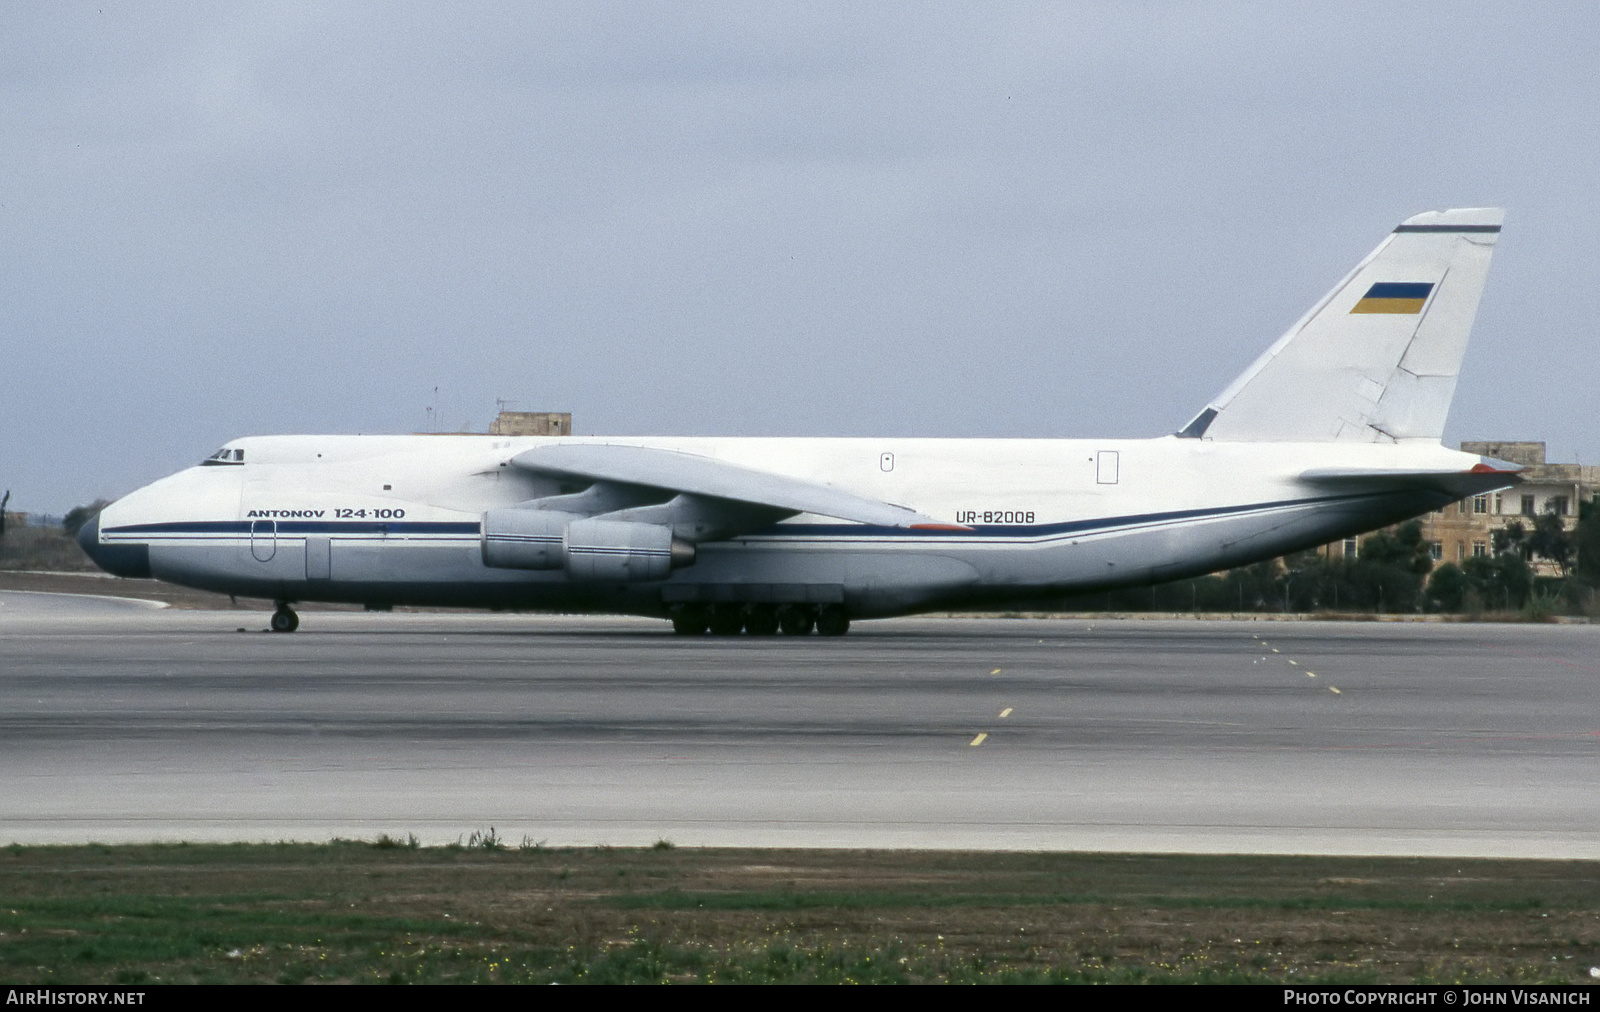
{"x": 1404, "y": 549}
{"x": 1448, "y": 587}
{"x": 1586, "y": 543}
{"x": 1512, "y": 539}
{"x": 1550, "y": 540}
{"x": 3, "y": 502}
{"x": 1502, "y": 580}
{"x": 76, "y": 517}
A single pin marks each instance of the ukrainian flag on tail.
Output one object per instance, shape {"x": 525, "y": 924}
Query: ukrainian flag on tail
{"x": 1403, "y": 297}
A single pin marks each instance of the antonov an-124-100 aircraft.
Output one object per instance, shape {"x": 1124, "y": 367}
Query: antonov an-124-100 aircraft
{"x": 1334, "y": 431}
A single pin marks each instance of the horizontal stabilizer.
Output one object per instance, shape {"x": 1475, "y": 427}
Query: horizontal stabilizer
{"x": 693, "y": 474}
{"x": 1484, "y": 476}
{"x": 1376, "y": 360}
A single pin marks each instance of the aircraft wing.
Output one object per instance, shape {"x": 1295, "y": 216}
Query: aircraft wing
{"x": 694, "y": 475}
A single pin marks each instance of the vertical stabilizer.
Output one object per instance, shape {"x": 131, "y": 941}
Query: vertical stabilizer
{"x": 1376, "y": 360}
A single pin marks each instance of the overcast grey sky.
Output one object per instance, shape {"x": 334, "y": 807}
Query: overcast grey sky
{"x": 810, "y": 219}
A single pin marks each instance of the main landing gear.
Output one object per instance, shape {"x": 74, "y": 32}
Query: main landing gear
{"x": 759, "y": 619}
{"x": 284, "y": 619}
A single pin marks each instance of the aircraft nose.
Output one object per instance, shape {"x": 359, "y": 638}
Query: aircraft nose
{"x": 129, "y": 560}
{"x": 89, "y": 536}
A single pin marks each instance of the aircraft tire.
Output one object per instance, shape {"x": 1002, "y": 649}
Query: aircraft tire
{"x": 796, "y": 620}
{"x": 284, "y": 620}
{"x": 832, "y": 621}
{"x": 689, "y": 620}
{"x": 761, "y": 620}
{"x": 727, "y": 620}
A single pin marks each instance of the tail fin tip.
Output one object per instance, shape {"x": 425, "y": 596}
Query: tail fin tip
{"x": 1376, "y": 359}
{"x": 1466, "y": 220}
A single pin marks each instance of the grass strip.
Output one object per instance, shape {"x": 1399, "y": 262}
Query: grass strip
{"x": 674, "y": 899}
{"x": 356, "y": 912}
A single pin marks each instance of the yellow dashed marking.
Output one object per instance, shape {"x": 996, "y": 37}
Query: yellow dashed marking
{"x": 996, "y": 671}
{"x": 978, "y": 740}
{"x": 1292, "y": 661}
{"x": 1005, "y": 713}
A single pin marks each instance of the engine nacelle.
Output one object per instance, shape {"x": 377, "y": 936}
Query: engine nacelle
{"x": 589, "y": 549}
{"x": 623, "y": 550}
{"x": 525, "y": 539}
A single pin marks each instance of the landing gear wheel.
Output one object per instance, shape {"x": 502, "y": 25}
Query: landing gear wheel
{"x": 284, "y": 619}
{"x": 689, "y": 620}
{"x": 727, "y": 620}
{"x": 796, "y": 620}
{"x": 761, "y": 620}
{"x": 832, "y": 621}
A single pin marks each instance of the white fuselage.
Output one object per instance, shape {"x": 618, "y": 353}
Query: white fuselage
{"x": 388, "y": 520}
{"x": 1332, "y": 431}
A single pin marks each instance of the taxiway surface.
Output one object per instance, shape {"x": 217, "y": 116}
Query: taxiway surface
{"x": 121, "y": 724}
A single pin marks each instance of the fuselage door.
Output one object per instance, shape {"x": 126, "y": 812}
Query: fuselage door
{"x": 263, "y": 540}
{"x": 1107, "y": 467}
{"x": 319, "y": 558}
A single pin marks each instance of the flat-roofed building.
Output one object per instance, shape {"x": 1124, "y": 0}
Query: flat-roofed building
{"x": 532, "y": 423}
{"x": 521, "y": 423}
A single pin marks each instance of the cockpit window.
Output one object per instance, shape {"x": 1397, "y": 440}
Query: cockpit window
{"x": 226, "y": 455}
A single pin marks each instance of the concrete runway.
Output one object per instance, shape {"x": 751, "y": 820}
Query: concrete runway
{"x": 71, "y": 608}
{"x": 119, "y": 723}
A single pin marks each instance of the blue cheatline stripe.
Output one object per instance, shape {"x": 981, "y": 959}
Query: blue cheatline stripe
{"x": 832, "y": 531}
{"x": 1041, "y": 530}
{"x": 1399, "y": 290}
{"x": 299, "y": 527}
{"x": 1447, "y": 228}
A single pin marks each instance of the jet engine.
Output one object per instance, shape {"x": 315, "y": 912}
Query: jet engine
{"x": 588, "y": 548}
{"x": 524, "y": 539}
{"x": 623, "y": 550}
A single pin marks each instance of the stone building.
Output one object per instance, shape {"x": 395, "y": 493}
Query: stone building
{"x": 1465, "y": 529}
{"x": 532, "y": 423}
{"x": 521, "y": 423}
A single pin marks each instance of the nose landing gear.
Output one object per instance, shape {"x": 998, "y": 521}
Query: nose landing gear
{"x": 284, "y": 619}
